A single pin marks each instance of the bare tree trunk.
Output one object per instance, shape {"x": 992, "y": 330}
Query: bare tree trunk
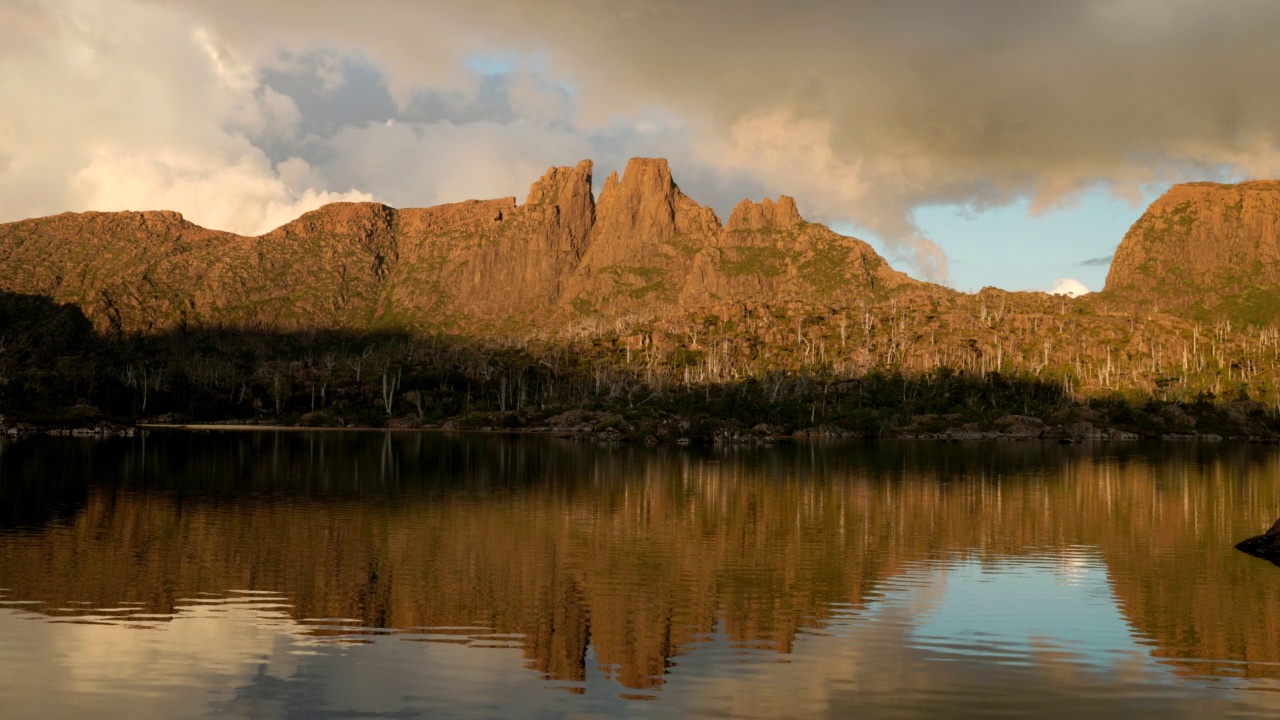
{"x": 277, "y": 392}
{"x": 389, "y": 386}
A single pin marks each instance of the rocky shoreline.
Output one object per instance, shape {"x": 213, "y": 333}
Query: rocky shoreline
{"x": 605, "y": 426}
{"x": 99, "y": 430}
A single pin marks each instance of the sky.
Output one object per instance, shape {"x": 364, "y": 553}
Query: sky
{"x": 977, "y": 143}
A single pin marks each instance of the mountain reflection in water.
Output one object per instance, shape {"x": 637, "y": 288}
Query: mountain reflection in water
{"x": 290, "y": 573}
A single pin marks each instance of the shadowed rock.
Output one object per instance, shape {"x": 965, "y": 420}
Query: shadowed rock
{"x": 1265, "y": 546}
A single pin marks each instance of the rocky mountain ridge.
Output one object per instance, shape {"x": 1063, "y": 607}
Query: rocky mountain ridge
{"x": 643, "y": 249}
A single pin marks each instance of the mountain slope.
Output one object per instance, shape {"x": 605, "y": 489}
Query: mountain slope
{"x": 644, "y": 250}
{"x": 768, "y": 253}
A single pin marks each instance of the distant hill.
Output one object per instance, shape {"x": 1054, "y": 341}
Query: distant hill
{"x": 1207, "y": 251}
{"x": 643, "y": 250}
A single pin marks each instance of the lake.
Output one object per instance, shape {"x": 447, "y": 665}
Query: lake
{"x": 371, "y": 574}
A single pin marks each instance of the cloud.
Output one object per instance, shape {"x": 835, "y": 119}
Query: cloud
{"x": 411, "y": 164}
{"x": 1103, "y": 261}
{"x": 930, "y": 101}
{"x": 242, "y": 194}
{"x": 797, "y": 154}
{"x": 864, "y": 110}
{"x": 1069, "y": 287}
{"x": 123, "y": 106}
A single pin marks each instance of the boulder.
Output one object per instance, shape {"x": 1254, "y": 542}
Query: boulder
{"x": 1265, "y": 546}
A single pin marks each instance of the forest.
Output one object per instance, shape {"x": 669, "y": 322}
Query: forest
{"x": 946, "y": 366}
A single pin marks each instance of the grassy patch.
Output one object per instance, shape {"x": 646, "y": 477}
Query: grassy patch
{"x": 1258, "y": 306}
{"x": 766, "y": 261}
{"x": 826, "y": 270}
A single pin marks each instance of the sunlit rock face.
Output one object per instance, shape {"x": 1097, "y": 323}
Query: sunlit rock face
{"x": 1207, "y": 248}
{"x": 768, "y": 253}
{"x": 646, "y": 234}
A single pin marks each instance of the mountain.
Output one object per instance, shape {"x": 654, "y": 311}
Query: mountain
{"x": 639, "y": 304}
{"x": 1206, "y": 250}
{"x": 643, "y": 250}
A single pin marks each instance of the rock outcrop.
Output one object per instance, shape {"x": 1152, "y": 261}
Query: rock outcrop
{"x": 1207, "y": 249}
{"x": 645, "y": 249}
{"x": 767, "y": 215}
{"x": 1265, "y": 546}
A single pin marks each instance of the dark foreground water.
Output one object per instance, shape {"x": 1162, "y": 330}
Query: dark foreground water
{"x": 406, "y": 575}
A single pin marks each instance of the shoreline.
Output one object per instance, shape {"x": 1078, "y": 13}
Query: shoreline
{"x": 1056, "y": 435}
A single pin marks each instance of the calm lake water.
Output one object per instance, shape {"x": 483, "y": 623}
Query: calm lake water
{"x": 417, "y": 575}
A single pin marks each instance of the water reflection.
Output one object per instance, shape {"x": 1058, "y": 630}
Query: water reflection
{"x": 897, "y": 578}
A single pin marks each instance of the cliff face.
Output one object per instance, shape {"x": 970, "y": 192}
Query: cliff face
{"x": 1205, "y": 248}
{"x": 479, "y": 264}
{"x": 640, "y": 251}
{"x": 644, "y": 250}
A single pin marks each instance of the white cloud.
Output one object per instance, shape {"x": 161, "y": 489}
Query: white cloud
{"x": 125, "y": 106}
{"x": 130, "y": 105}
{"x": 420, "y": 164}
{"x": 242, "y": 195}
{"x": 795, "y": 152}
{"x": 798, "y": 157}
{"x": 1069, "y": 287}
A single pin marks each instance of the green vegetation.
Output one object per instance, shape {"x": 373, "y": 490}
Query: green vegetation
{"x": 640, "y": 292}
{"x": 684, "y": 244}
{"x": 1183, "y": 216}
{"x": 826, "y": 270}
{"x": 764, "y": 261}
{"x": 1258, "y": 306}
{"x": 636, "y": 281}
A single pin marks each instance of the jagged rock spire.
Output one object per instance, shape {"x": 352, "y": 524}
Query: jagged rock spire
{"x": 563, "y": 200}
{"x": 641, "y": 247}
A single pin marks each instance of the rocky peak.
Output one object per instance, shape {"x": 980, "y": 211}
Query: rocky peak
{"x": 1201, "y": 243}
{"x": 642, "y": 203}
{"x": 146, "y": 220}
{"x": 348, "y": 216}
{"x": 642, "y": 245}
{"x": 646, "y": 202}
{"x": 160, "y": 218}
{"x": 643, "y": 176}
{"x": 558, "y": 181}
{"x": 749, "y": 215}
{"x": 563, "y": 202}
